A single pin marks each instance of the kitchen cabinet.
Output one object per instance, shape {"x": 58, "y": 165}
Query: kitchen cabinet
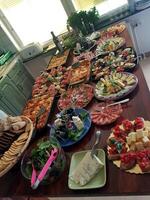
{"x": 140, "y": 31}
{"x": 11, "y": 100}
{"x": 16, "y": 86}
{"x": 21, "y": 78}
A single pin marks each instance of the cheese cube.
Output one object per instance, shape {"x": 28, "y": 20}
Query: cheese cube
{"x": 147, "y": 124}
{"x": 148, "y": 133}
{"x": 145, "y": 139}
{"x": 139, "y": 146}
{"x": 78, "y": 122}
{"x": 139, "y": 134}
{"x": 58, "y": 122}
{"x": 147, "y": 128}
{"x": 145, "y": 133}
{"x": 132, "y": 135}
{"x": 128, "y": 140}
{"x": 139, "y": 130}
{"x": 132, "y": 147}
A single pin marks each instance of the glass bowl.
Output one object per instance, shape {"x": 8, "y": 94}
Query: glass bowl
{"x": 54, "y": 171}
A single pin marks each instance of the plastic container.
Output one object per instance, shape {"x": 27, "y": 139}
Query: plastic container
{"x": 5, "y": 57}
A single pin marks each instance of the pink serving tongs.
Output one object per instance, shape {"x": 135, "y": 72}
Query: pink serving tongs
{"x": 36, "y": 180}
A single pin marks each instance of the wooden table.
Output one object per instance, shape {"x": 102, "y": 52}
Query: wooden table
{"x": 118, "y": 182}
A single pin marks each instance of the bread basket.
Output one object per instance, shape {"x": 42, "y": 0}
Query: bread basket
{"x": 10, "y": 157}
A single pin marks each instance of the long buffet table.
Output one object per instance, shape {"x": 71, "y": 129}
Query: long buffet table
{"x": 118, "y": 182}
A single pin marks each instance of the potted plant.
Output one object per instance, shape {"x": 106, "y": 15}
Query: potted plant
{"x": 75, "y": 21}
{"x": 93, "y": 16}
{"x": 82, "y": 21}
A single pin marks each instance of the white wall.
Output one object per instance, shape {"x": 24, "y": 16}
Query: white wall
{"x": 140, "y": 24}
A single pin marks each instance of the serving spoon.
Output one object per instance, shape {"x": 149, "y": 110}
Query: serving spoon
{"x": 94, "y": 148}
{"x": 112, "y": 104}
{"x": 94, "y": 151}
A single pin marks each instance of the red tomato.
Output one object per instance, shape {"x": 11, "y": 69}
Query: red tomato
{"x": 127, "y": 125}
{"x": 139, "y": 123}
{"x": 118, "y": 132}
{"x": 112, "y": 150}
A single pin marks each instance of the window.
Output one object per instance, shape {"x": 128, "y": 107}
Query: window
{"x": 33, "y": 20}
{"x": 103, "y": 6}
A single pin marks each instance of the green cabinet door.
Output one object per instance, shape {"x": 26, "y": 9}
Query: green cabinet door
{"x": 5, "y": 108}
{"x": 26, "y": 83}
{"x": 22, "y": 79}
{"x": 11, "y": 97}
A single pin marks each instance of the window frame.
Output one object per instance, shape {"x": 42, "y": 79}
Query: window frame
{"x": 7, "y": 27}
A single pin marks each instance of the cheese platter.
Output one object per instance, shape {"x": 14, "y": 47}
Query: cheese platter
{"x": 129, "y": 146}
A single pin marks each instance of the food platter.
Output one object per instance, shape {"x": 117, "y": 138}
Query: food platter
{"x": 109, "y": 45}
{"x": 128, "y": 53}
{"x": 116, "y": 29}
{"x": 113, "y": 31}
{"x": 43, "y": 85}
{"x": 60, "y": 78}
{"x": 78, "y": 96}
{"x": 84, "y": 56}
{"x": 115, "y": 86}
{"x": 101, "y": 114}
{"x": 39, "y": 90}
{"x": 129, "y": 146}
{"x": 58, "y": 60}
{"x": 119, "y": 61}
{"x": 10, "y": 157}
{"x": 79, "y": 72}
{"x": 66, "y": 141}
{"x": 34, "y": 106}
